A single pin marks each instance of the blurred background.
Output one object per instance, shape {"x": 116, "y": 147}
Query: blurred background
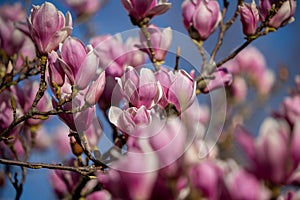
{"x": 281, "y": 50}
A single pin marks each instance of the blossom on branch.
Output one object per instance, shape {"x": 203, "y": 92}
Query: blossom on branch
{"x": 140, "y": 10}
{"x": 201, "y": 17}
{"x": 48, "y": 27}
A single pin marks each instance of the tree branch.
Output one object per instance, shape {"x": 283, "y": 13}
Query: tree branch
{"x": 85, "y": 171}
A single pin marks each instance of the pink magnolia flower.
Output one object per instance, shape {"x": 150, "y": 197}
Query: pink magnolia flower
{"x": 42, "y": 140}
{"x": 179, "y": 88}
{"x": 238, "y": 89}
{"x": 79, "y": 121}
{"x": 206, "y": 177}
{"x": 6, "y": 116}
{"x": 249, "y": 17}
{"x": 138, "y": 10}
{"x": 56, "y": 71}
{"x": 291, "y": 108}
{"x": 140, "y": 89}
{"x": 115, "y": 56}
{"x": 94, "y": 133}
{"x": 95, "y": 90}
{"x": 79, "y": 63}
{"x": 239, "y": 182}
{"x": 61, "y": 139}
{"x": 112, "y": 53}
{"x": 251, "y": 62}
{"x": 221, "y": 78}
{"x": 160, "y": 40}
{"x": 271, "y": 156}
{"x": 12, "y": 40}
{"x": 135, "y": 57}
{"x": 266, "y": 82}
{"x": 131, "y": 177}
{"x": 201, "y": 17}
{"x": 84, "y": 7}
{"x": 64, "y": 182}
{"x": 128, "y": 120}
{"x": 99, "y": 195}
{"x": 284, "y": 15}
{"x": 48, "y": 27}
{"x": 26, "y": 94}
{"x": 111, "y": 94}
{"x": 162, "y": 136}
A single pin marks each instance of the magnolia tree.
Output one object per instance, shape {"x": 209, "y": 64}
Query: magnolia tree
{"x": 133, "y": 126}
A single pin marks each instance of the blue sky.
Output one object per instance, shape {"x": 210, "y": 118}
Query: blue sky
{"x": 281, "y": 47}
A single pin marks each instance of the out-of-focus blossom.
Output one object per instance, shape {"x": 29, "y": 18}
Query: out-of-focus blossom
{"x": 94, "y": 133}
{"x": 284, "y": 12}
{"x": 266, "y": 82}
{"x": 112, "y": 53}
{"x": 179, "y": 88}
{"x": 19, "y": 151}
{"x": 99, "y": 195}
{"x": 239, "y": 182}
{"x": 160, "y": 41}
{"x": 135, "y": 57}
{"x": 140, "y": 89}
{"x": 64, "y": 182}
{"x": 131, "y": 177}
{"x": 291, "y": 108}
{"x": 249, "y": 17}
{"x": 128, "y": 120}
{"x": 6, "y": 115}
{"x": 12, "y": 40}
{"x": 238, "y": 90}
{"x": 201, "y": 18}
{"x": 61, "y": 139}
{"x": 79, "y": 63}
{"x": 206, "y": 177}
{"x": 139, "y": 10}
{"x": 79, "y": 121}
{"x": 42, "y": 140}
{"x": 272, "y": 155}
{"x": 12, "y": 12}
{"x": 26, "y": 95}
{"x": 221, "y": 78}
{"x": 56, "y": 72}
{"x": 115, "y": 57}
{"x": 95, "y": 90}
{"x": 48, "y": 27}
{"x": 111, "y": 95}
{"x": 182, "y": 90}
{"x": 84, "y": 7}
{"x": 163, "y": 136}
{"x": 251, "y": 63}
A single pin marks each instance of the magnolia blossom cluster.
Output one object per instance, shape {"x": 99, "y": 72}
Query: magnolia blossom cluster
{"x": 274, "y": 13}
{"x": 249, "y": 66}
{"x": 202, "y": 17}
{"x": 158, "y": 142}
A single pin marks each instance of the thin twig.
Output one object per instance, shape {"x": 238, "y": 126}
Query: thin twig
{"x": 233, "y": 54}
{"x": 33, "y": 113}
{"x": 147, "y": 35}
{"x": 85, "y": 171}
{"x": 223, "y": 28}
{"x": 202, "y": 52}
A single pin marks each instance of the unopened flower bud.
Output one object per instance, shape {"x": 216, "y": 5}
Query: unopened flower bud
{"x": 48, "y": 27}
{"x": 249, "y": 17}
{"x": 201, "y": 18}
